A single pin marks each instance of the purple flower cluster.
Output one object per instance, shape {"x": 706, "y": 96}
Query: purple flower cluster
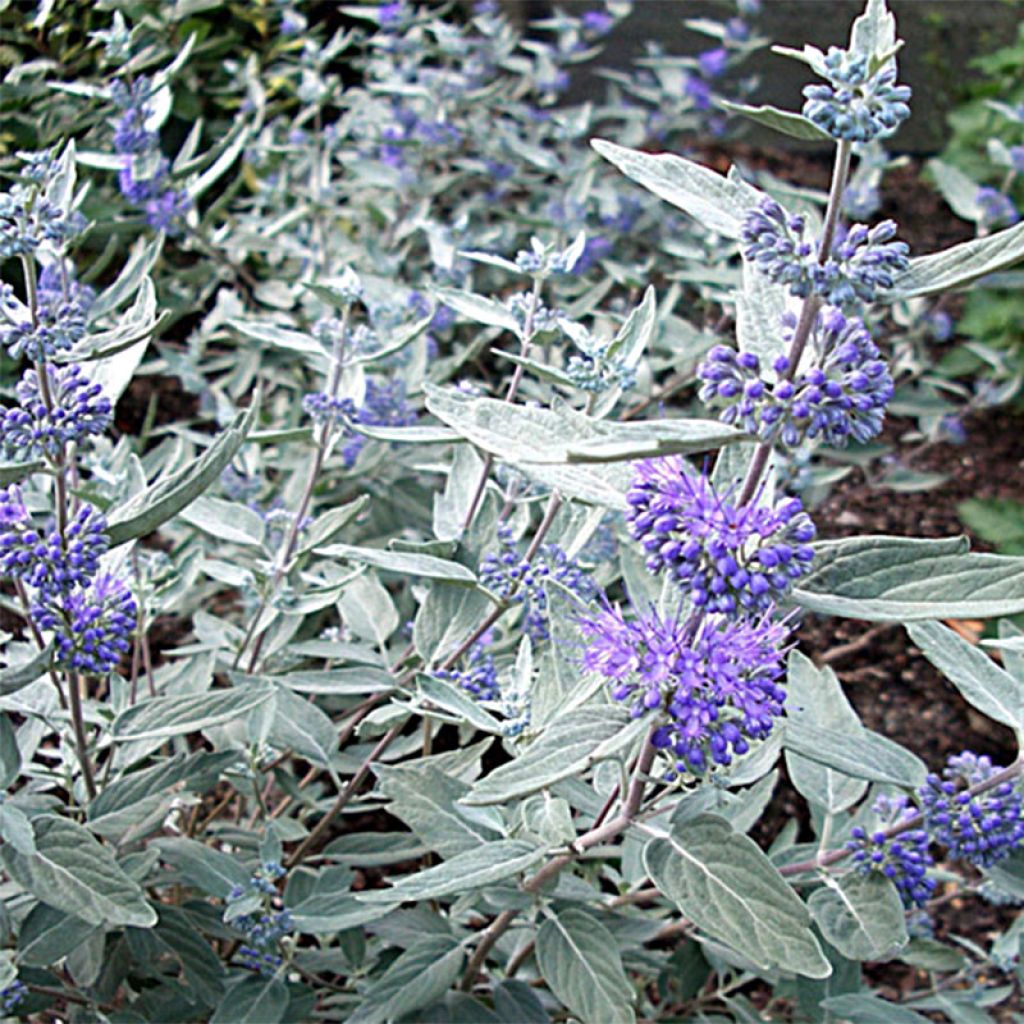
{"x": 903, "y": 858}
{"x": 264, "y": 926}
{"x": 730, "y": 558}
{"x": 997, "y": 210}
{"x": 143, "y": 178}
{"x": 862, "y": 261}
{"x": 843, "y": 395}
{"x": 480, "y": 676}
{"x": 11, "y": 995}
{"x": 91, "y": 615}
{"x": 28, "y": 218}
{"x": 62, "y": 310}
{"x": 509, "y": 575}
{"x": 856, "y": 105}
{"x": 717, "y": 682}
{"x": 92, "y": 626}
{"x": 384, "y": 405}
{"x": 981, "y": 829}
{"x": 78, "y": 409}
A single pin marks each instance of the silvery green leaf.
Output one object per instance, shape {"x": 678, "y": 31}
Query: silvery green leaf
{"x": 14, "y": 677}
{"x": 491, "y": 260}
{"x": 760, "y": 305}
{"x": 959, "y": 191}
{"x": 329, "y": 523}
{"x": 897, "y": 579}
{"x": 549, "y": 818}
{"x": 418, "y": 978}
{"x": 228, "y": 521}
{"x": 579, "y": 959}
{"x": 202, "y": 866}
{"x": 301, "y": 727}
{"x": 624, "y": 442}
{"x": 133, "y": 325}
{"x": 10, "y": 756}
{"x": 864, "y": 1008}
{"x": 717, "y": 202}
{"x": 287, "y": 339}
{"x": 165, "y": 499}
{"x": 981, "y": 682}
{"x": 47, "y": 935}
{"x": 178, "y": 935}
{"x": 819, "y": 697}
{"x": 73, "y": 872}
{"x": 336, "y": 682}
{"x": 516, "y": 1003}
{"x": 374, "y": 849}
{"x": 442, "y": 694}
{"x": 14, "y": 472}
{"x": 568, "y": 746}
{"x": 873, "y": 34}
{"x": 138, "y": 265}
{"x": 16, "y": 829}
{"x": 636, "y": 333}
{"x": 1011, "y": 642}
{"x": 254, "y": 998}
{"x": 181, "y": 714}
{"x": 861, "y": 915}
{"x": 425, "y": 798}
{"x": 472, "y": 869}
{"x": 958, "y": 265}
{"x": 862, "y": 755}
{"x": 226, "y": 151}
{"x": 478, "y": 309}
{"x": 406, "y": 563}
{"x": 329, "y": 913}
{"x": 724, "y": 884}
{"x": 542, "y": 371}
{"x": 448, "y": 614}
{"x": 785, "y": 121}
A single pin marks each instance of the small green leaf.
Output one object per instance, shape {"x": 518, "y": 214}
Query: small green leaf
{"x": 202, "y": 866}
{"x": 898, "y": 579}
{"x": 579, "y": 958}
{"x": 472, "y": 869}
{"x": 723, "y": 882}
{"x": 71, "y": 871}
{"x": 14, "y": 472}
{"x": 864, "y": 1008}
{"x": 14, "y": 677}
{"x": 478, "y": 309}
{"x": 861, "y": 915}
{"x": 418, "y": 978}
{"x": 568, "y": 746}
{"x": 404, "y": 562}
{"x": 717, "y": 202}
{"x": 796, "y": 126}
{"x": 862, "y": 755}
{"x": 979, "y": 679}
{"x": 179, "y": 715}
{"x": 254, "y": 999}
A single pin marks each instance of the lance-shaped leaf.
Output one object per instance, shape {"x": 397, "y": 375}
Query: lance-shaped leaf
{"x": 179, "y": 715}
{"x": 982, "y": 682}
{"x": 863, "y": 754}
{"x": 724, "y": 883}
{"x": 472, "y": 869}
{"x": 861, "y": 915}
{"x": 478, "y": 309}
{"x": 864, "y": 1008}
{"x": 14, "y": 677}
{"x": 13, "y": 472}
{"x": 719, "y": 203}
{"x": 899, "y": 579}
{"x": 818, "y": 698}
{"x": 958, "y": 265}
{"x": 579, "y": 958}
{"x": 164, "y": 500}
{"x": 404, "y": 562}
{"x": 796, "y": 126}
{"x": 73, "y": 872}
{"x": 569, "y": 746}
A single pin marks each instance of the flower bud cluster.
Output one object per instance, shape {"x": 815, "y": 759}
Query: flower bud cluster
{"x": 862, "y": 261}
{"x": 903, "y": 858}
{"x": 254, "y": 910}
{"x": 384, "y": 405}
{"x": 981, "y": 829}
{"x": 13, "y": 994}
{"x": 856, "y": 105}
{"x": 62, "y": 309}
{"x": 144, "y": 174}
{"x": 509, "y": 575}
{"x": 717, "y": 683}
{"x": 997, "y": 210}
{"x": 28, "y": 218}
{"x": 479, "y": 677}
{"x": 729, "y": 558}
{"x": 843, "y": 395}
{"x": 79, "y": 410}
